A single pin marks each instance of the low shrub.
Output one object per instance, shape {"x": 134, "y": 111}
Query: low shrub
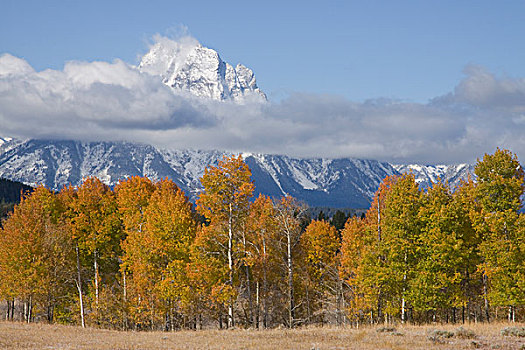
{"x": 385, "y": 330}
{"x": 463, "y": 333}
{"x": 438, "y": 336}
{"x": 441, "y": 333}
{"x": 513, "y": 332}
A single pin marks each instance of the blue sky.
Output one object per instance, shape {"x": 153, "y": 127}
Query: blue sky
{"x": 399, "y": 81}
{"x": 409, "y": 50}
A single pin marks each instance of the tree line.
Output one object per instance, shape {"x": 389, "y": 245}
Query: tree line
{"x": 141, "y": 256}
{"x": 10, "y": 194}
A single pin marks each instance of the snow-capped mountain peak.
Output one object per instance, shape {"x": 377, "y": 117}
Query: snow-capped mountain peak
{"x": 166, "y": 57}
{"x": 186, "y": 65}
{"x": 426, "y": 175}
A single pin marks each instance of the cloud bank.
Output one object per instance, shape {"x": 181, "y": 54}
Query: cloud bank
{"x": 114, "y": 101}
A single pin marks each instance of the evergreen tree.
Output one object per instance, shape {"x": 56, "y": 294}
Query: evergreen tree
{"x": 339, "y": 219}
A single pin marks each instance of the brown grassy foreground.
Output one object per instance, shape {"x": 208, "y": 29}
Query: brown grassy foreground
{"x": 42, "y": 336}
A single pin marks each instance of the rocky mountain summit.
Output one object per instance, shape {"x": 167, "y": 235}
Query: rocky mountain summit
{"x": 188, "y": 66}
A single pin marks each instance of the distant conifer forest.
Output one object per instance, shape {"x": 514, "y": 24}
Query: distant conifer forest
{"x": 10, "y": 194}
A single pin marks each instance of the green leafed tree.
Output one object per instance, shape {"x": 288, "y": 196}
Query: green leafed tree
{"x": 499, "y": 190}
{"x": 401, "y": 228}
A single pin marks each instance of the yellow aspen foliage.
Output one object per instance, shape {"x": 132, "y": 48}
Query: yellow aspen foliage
{"x": 225, "y": 204}
{"x": 35, "y": 254}
{"x": 321, "y": 246}
{"x": 157, "y": 251}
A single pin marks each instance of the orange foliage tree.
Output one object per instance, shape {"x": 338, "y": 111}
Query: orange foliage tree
{"x": 225, "y": 203}
{"x": 160, "y": 231}
{"x": 96, "y": 229}
{"x": 35, "y": 255}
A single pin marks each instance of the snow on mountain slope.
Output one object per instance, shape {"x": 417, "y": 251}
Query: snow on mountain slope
{"x": 425, "y": 175}
{"x": 318, "y": 182}
{"x": 343, "y": 182}
{"x": 4, "y": 140}
{"x": 7, "y": 143}
{"x": 188, "y": 66}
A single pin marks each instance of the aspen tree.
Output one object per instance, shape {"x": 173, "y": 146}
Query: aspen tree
{"x": 96, "y": 228}
{"x": 133, "y": 197}
{"x": 401, "y": 235}
{"x": 289, "y": 214}
{"x": 225, "y": 203}
{"x": 262, "y": 230}
{"x": 321, "y": 246}
{"x": 499, "y": 190}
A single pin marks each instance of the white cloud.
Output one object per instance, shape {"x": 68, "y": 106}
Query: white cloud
{"x": 12, "y": 66}
{"x": 480, "y": 88}
{"x": 115, "y": 101}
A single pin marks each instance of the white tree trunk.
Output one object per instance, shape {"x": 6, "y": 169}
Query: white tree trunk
{"x": 95, "y": 266}
{"x": 230, "y": 265}
{"x": 79, "y": 287}
{"x": 290, "y": 279}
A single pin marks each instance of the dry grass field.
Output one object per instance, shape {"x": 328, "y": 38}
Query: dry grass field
{"x": 474, "y": 336}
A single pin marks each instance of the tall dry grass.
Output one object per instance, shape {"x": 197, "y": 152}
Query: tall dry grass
{"x": 42, "y": 336}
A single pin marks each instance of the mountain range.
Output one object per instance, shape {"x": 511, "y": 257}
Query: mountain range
{"x": 189, "y": 67}
{"x": 344, "y": 183}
